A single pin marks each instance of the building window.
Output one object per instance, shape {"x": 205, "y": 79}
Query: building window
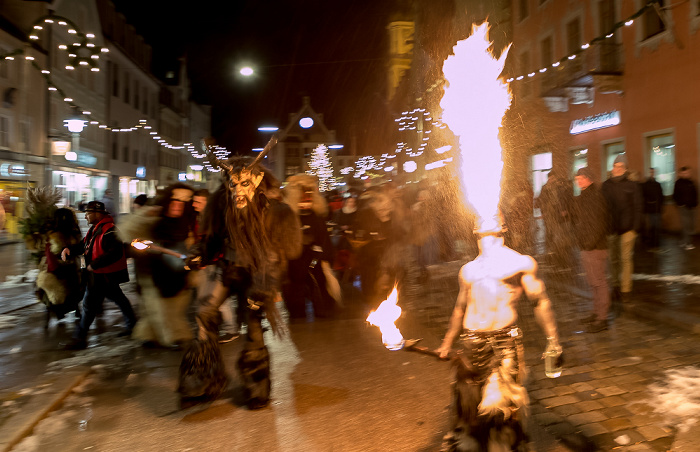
{"x": 145, "y": 101}
{"x": 24, "y": 128}
{"x": 136, "y": 157}
{"x": 137, "y": 99}
{"x": 525, "y": 69}
{"x": 546, "y": 52}
{"x": 115, "y": 80}
{"x": 573, "y": 36}
{"x": 115, "y": 148}
{"x": 3, "y": 66}
{"x": 4, "y": 132}
{"x": 126, "y": 87}
{"x": 125, "y": 153}
{"x": 523, "y": 10}
{"x": 661, "y": 150}
{"x": 652, "y": 23}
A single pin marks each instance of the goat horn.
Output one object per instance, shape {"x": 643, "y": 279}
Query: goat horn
{"x": 270, "y": 144}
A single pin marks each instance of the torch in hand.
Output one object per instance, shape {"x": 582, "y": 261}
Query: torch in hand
{"x": 148, "y": 244}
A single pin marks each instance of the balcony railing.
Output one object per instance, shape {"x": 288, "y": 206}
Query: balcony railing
{"x": 602, "y": 59}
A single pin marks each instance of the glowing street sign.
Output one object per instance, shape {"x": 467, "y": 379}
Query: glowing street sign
{"x": 594, "y": 122}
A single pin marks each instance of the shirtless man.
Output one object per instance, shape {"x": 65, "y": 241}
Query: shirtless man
{"x": 489, "y": 400}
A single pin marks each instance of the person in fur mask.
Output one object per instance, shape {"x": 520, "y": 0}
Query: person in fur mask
{"x": 310, "y": 275}
{"x": 250, "y": 236}
{"x": 163, "y": 278}
{"x": 59, "y": 283}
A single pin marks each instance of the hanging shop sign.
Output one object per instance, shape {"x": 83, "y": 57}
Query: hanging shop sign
{"x": 141, "y": 171}
{"x": 594, "y": 122}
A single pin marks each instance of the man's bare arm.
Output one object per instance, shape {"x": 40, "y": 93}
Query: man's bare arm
{"x": 457, "y": 318}
{"x": 536, "y": 293}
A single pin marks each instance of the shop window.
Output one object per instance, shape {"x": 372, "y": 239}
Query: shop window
{"x": 612, "y": 150}
{"x": 652, "y": 24}
{"x": 661, "y": 150}
{"x": 541, "y": 166}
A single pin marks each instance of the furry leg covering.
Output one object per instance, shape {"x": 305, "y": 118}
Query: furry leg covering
{"x": 254, "y": 362}
{"x": 202, "y": 375}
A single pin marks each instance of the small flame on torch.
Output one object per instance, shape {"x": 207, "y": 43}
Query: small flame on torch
{"x": 141, "y": 244}
{"x": 385, "y": 318}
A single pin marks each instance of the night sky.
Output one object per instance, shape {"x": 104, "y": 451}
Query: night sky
{"x": 333, "y": 51}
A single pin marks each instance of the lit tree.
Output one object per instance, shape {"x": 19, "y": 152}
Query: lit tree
{"x": 321, "y": 167}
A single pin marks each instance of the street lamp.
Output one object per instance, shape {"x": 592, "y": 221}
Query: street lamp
{"x": 75, "y": 126}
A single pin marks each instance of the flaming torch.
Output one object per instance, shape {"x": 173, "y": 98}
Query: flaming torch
{"x": 385, "y": 318}
{"x": 142, "y": 245}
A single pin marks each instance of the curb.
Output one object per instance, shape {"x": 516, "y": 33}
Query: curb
{"x": 22, "y": 425}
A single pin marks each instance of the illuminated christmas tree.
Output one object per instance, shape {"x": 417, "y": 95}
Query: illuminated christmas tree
{"x": 321, "y": 167}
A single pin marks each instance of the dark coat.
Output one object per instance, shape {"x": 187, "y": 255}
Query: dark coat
{"x": 653, "y": 196}
{"x": 685, "y": 193}
{"x": 592, "y": 219}
{"x": 625, "y": 204}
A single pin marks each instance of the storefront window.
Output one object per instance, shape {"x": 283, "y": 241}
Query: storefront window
{"x": 580, "y": 160}
{"x": 662, "y": 156}
{"x": 74, "y": 187}
{"x": 541, "y": 166}
{"x": 12, "y": 199}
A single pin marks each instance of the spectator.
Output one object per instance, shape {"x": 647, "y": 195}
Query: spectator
{"x": 108, "y": 202}
{"x": 625, "y": 208}
{"x": 685, "y": 194}
{"x": 591, "y": 221}
{"x": 653, "y": 203}
{"x": 139, "y": 202}
{"x": 555, "y": 200}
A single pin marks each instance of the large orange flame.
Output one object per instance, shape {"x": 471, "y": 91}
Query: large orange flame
{"x": 473, "y": 105}
{"x": 385, "y": 318}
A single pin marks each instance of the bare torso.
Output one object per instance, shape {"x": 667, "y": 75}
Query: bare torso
{"x": 494, "y": 282}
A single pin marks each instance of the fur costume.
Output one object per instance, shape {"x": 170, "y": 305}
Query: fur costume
{"x": 250, "y": 236}
{"x": 58, "y": 283}
{"x": 489, "y": 405}
{"x": 162, "y": 278}
{"x": 310, "y": 276}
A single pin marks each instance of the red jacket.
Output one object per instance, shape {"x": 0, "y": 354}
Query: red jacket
{"x": 103, "y": 250}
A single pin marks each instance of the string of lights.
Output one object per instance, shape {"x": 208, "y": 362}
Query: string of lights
{"x": 562, "y": 61}
{"x": 84, "y": 53}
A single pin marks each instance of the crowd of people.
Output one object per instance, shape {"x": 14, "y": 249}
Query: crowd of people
{"x": 604, "y": 223}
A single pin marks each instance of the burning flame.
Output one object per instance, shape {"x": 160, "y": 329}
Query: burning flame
{"x": 385, "y": 318}
{"x": 473, "y": 105}
{"x": 141, "y": 244}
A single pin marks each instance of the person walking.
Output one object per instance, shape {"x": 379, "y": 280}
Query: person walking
{"x": 106, "y": 269}
{"x": 591, "y": 221}
{"x": 685, "y": 194}
{"x": 108, "y": 201}
{"x": 625, "y": 207}
{"x": 653, "y": 203}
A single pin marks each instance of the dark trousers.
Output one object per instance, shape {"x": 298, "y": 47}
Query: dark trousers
{"x": 100, "y": 287}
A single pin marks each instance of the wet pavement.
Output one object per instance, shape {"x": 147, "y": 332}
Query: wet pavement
{"x": 336, "y": 388}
